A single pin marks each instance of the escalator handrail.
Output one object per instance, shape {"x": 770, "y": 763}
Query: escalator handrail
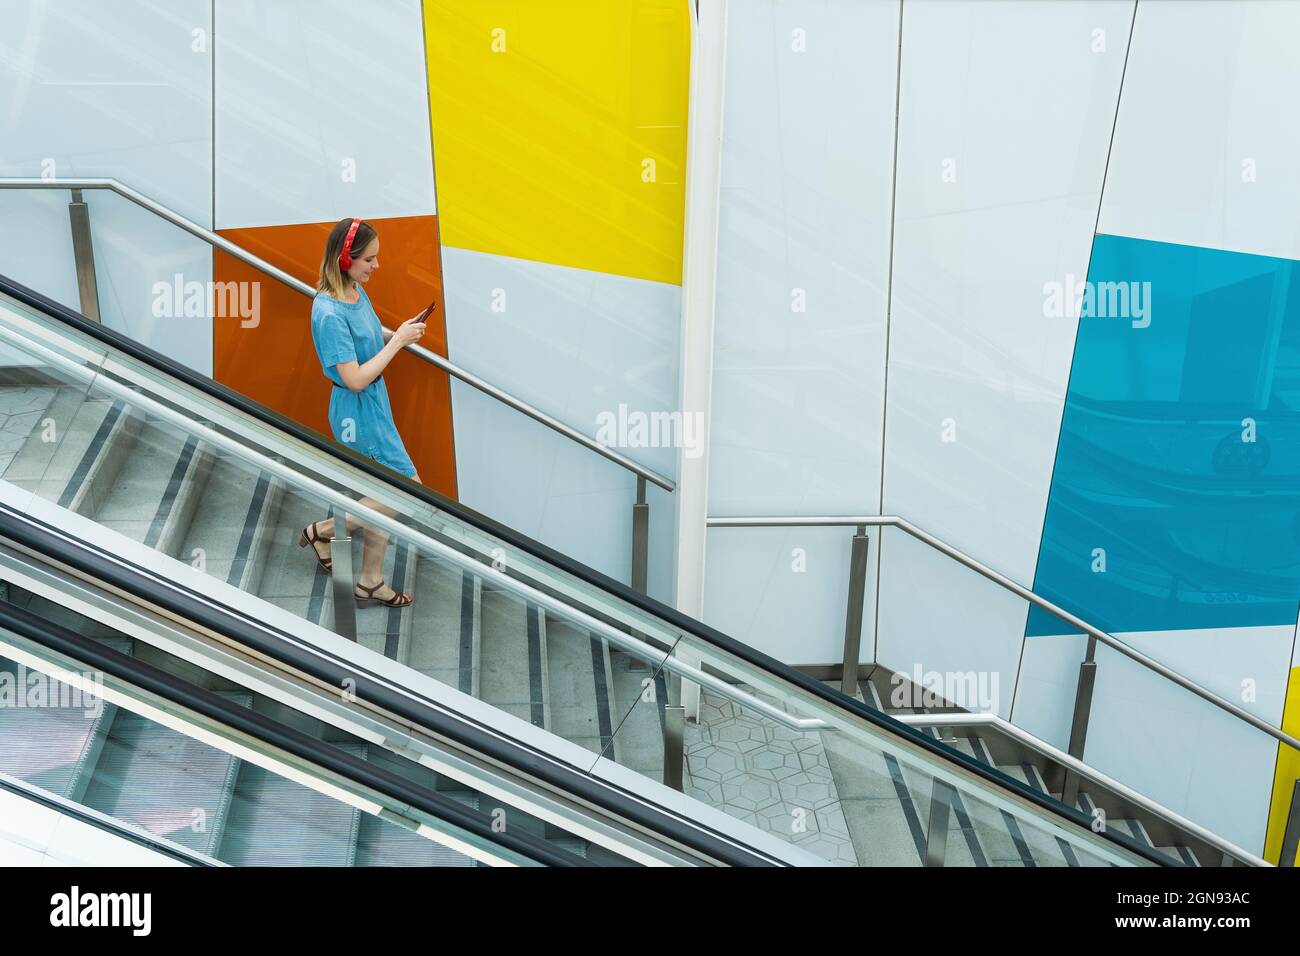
{"x": 262, "y": 638}
{"x": 116, "y": 574}
{"x": 566, "y": 564}
{"x": 144, "y": 676}
{"x": 124, "y": 393}
{"x": 297, "y": 285}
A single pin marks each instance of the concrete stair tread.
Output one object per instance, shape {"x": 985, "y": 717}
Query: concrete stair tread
{"x": 506, "y": 677}
{"x": 579, "y": 690}
{"x": 164, "y": 781}
{"x": 131, "y": 499}
{"x": 437, "y": 622}
{"x": 640, "y": 736}
{"x": 73, "y": 421}
{"x": 212, "y": 539}
{"x": 382, "y": 843}
{"x": 276, "y": 822}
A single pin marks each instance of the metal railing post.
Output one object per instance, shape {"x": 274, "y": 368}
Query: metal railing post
{"x": 936, "y": 831}
{"x": 345, "y": 609}
{"x": 1079, "y": 725}
{"x": 853, "y": 614}
{"x": 1291, "y": 838}
{"x": 83, "y": 255}
{"x": 674, "y": 745}
{"x": 640, "y": 539}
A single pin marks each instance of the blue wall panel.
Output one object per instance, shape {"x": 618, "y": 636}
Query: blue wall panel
{"x": 1179, "y": 459}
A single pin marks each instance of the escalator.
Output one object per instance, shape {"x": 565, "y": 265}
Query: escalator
{"x": 148, "y": 518}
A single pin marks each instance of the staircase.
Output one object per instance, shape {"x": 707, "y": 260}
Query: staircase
{"x": 996, "y": 839}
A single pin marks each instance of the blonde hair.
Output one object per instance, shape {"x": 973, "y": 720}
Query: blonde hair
{"x": 332, "y": 281}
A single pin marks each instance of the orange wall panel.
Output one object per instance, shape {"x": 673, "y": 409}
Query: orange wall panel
{"x": 274, "y": 361}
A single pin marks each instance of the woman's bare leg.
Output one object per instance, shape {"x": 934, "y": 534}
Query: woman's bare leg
{"x": 374, "y": 545}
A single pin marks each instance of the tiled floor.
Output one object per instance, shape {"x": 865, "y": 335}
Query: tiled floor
{"x": 760, "y": 772}
{"x": 21, "y": 409}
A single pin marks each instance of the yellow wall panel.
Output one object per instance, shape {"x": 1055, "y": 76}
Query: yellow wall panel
{"x": 1288, "y": 770}
{"x": 545, "y": 113}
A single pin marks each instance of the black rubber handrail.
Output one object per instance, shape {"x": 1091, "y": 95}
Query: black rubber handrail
{"x": 616, "y": 589}
{"x": 88, "y": 651}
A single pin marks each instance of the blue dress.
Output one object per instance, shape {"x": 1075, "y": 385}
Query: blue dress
{"x": 351, "y": 332}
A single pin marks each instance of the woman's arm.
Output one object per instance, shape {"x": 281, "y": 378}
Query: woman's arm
{"x": 388, "y": 333}
{"x": 358, "y": 376}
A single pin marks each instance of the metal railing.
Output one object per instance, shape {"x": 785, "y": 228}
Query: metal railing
{"x": 1029, "y": 741}
{"x": 87, "y": 286}
{"x": 1087, "y": 669}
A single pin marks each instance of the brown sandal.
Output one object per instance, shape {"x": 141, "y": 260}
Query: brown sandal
{"x": 399, "y": 598}
{"x": 310, "y": 536}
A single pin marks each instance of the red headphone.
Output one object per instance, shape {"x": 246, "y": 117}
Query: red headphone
{"x": 345, "y": 258}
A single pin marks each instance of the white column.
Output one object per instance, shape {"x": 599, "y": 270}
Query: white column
{"x": 699, "y": 275}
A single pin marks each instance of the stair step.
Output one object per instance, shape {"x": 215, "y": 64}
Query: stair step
{"x": 276, "y": 822}
{"x": 54, "y": 748}
{"x": 57, "y": 442}
{"x": 165, "y": 782}
{"x": 64, "y": 471}
{"x": 637, "y": 700}
{"x": 510, "y": 670}
{"x": 580, "y": 686}
{"x": 387, "y": 630}
{"x": 383, "y": 843}
{"x": 221, "y": 539}
{"x": 134, "y": 496}
{"x": 1131, "y": 828}
{"x": 442, "y": 625}
{"x": 964, "y": 846}
{"x": 880, "y": 810}
{"x": 1034, "y": 777}
{"x": 1181, "y": 854}
{"x": 23, "y": 409}
{"x": 999, "y": 833}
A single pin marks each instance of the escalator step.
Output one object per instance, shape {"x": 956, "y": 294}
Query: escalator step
{"x": 165, "y": 782}
{"x": 382, "y": 843}
{"x": 277, "y": 822}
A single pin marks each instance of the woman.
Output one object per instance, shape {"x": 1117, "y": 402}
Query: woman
{"x": 350, "y": 344}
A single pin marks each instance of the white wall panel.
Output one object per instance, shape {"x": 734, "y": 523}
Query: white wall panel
{"x": 1206, "y": 147}
{"x": 1005, "y": 116}
{"x": 1184, "y": 752}
{"x": 40, "y": 254}
{"x": 1045, "y": 687}
{"x": 110, "y": 89}
{"x": 576, "y": 344}
{"x": 1157, "y": 737}
{"x": 937, "y": 615}
{"x": 305, "y": 86}
{"x": 134, "y": 251}
{"x": 784, "y": 591}
{"x": 119, "y": 90}
{"x": 804, "y": 213}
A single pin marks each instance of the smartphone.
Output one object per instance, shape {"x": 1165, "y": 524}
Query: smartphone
{"x": 424, "y": 316}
